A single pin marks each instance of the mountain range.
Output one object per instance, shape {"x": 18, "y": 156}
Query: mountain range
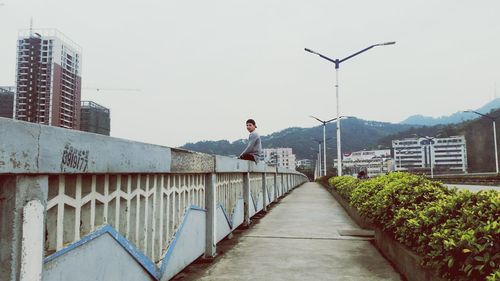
{"x": 454, "y": 118}
{"x": 359, "y": 134}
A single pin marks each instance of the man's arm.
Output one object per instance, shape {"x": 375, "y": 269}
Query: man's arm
{"x": 251, "y": 143}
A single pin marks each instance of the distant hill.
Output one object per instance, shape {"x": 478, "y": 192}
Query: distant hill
{"x": 357, "y": 134}
{"x": 456, "y": 117}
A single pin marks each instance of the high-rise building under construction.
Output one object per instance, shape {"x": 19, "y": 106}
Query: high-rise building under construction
{"x": 7, "y": 102}
{"x": 48, "y": 79}
{"x": 95, "y": 118}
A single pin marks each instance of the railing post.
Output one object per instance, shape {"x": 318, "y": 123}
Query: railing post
{"x": 23, "y": 201}
{"x": 275, "y": 186}
{"x": 211, "y": 221}
{"x": 282, "y": 188}
{"x": 246, "y": 198}
{"x": 264, "y": 193}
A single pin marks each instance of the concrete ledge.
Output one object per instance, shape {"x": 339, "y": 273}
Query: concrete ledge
{"x": 28, "y": 148}
{"x": 406, "y": 262}
{"x": 260, "y": 167}
{"x": 225, "y": 164}
{"x": 271, "y": 169}
{"x": 185, "y": 161}
{"x": 281, "y": 170}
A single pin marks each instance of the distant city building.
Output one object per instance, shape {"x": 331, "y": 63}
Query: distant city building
{"x": 95, "y": 118}
{"x": 305, "y": 163}
{"x": 281, "y": 157}
{"x": 48, "y": 81}
{"x": 7, "y": 102}
{"x": 372, "y": 162}
{"x": 416, "y": 154}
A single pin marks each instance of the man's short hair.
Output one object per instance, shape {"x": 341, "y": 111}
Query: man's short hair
{"x": 251, "y": 121}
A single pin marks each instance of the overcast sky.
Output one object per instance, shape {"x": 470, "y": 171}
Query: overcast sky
{"x": 204, "y": 67}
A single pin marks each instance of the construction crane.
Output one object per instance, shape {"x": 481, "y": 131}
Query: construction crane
{"x": 111, "y": 89}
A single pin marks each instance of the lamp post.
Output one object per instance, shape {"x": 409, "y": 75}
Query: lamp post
{"x": 493, "y": 119}
{"x": 319, "y": 158}
{"x": 319, "y": 153}
{"x": 324, "y": 137}
{"x": 337, "y": 65}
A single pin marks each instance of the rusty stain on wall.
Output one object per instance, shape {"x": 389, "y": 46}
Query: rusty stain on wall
{"x": 13, "y": 159}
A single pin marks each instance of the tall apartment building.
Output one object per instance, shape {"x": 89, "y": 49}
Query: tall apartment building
{"x": 416, "y": 154}
{"x": 7, "y": 102}
{"x": 95, "y": 118}
{"x": 281, "y": 157}
{"x": 48, "y": 79}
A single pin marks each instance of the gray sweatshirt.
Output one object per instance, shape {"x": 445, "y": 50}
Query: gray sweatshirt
{"x": 254, "y": 146}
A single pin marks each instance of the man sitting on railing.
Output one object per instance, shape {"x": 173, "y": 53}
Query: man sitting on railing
{"x": 254, "y": 146}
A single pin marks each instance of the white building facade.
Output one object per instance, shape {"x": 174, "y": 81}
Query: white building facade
{"x": 420, "y": 154}
{"x": 281, "y": 157}
{"x": 306, "y": 163}
{"x": 373, "y": 162}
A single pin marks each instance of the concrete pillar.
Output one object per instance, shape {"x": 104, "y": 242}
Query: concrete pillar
{"x": 211, "y": 222}
{"x": 264, "y": 193}
{"x": 32, "y": 241}
{"x": 246, "y": 199}
{"x": 15, "y": 193}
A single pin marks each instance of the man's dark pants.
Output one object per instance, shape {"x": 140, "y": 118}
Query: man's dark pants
{"x": 247, "y": 156}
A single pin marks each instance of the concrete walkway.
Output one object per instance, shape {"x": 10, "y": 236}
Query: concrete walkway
{"x": 299, "y": 239}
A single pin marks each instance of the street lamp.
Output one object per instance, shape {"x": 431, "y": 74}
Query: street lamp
{"x": 319, "y": 154}
{"x": 324, "y": 137}
{"x": 493, "y": 119}
{"x": 319, "y": 157}
{"x": 337, "y": 65}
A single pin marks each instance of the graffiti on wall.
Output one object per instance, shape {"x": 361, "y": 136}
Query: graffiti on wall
{"x": 74, "y": 159}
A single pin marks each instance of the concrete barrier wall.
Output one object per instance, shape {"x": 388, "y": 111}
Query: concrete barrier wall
{"x": 148, "y": 197}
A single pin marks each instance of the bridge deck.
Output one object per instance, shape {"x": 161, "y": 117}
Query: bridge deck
{"x": 299, "y": 239}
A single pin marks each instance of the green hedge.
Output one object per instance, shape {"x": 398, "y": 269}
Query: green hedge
{"x": 455, "y": 231}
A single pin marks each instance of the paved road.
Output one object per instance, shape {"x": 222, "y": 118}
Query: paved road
{"x": 474, "y": 188}
{"x": 299, "y": 240}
